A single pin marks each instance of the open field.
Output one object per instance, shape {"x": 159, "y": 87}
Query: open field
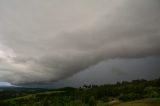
{"x": 144, "y": 102}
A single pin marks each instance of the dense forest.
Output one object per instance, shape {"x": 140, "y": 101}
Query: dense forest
{"x": 88, "y": 95}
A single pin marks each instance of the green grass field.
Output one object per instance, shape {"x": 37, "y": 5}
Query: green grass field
{"x": 30, "y": 96}
{"x": 116, "y": 102}
{"x": 144, "y": 102}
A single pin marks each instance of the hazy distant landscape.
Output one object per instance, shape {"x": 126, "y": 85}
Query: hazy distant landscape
{"x": 134, "y": 93}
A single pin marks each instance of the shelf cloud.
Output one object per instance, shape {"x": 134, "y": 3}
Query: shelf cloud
{"x": 43, "y": 41}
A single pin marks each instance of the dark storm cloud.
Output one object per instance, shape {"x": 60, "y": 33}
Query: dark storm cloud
{"x": 50, "y": 40}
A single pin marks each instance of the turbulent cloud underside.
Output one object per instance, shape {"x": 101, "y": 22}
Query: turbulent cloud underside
{"x": 43, "y": 41}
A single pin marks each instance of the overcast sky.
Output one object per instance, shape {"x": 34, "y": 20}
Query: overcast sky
{"x": 79, "y": 41}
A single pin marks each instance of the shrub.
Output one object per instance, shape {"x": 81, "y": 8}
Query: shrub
{"x": 92, "y": 101}
{"x": 129, "y": 97}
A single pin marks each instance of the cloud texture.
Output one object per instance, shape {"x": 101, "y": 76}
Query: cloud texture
{"x": 43, "y": 41}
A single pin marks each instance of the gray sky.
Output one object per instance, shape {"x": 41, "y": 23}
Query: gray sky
{"x": 111, "y": 71}
{"x": 45, "y": 41}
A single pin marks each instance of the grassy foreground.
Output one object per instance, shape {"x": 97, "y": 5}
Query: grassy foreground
{"x": 144, "y": 102}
